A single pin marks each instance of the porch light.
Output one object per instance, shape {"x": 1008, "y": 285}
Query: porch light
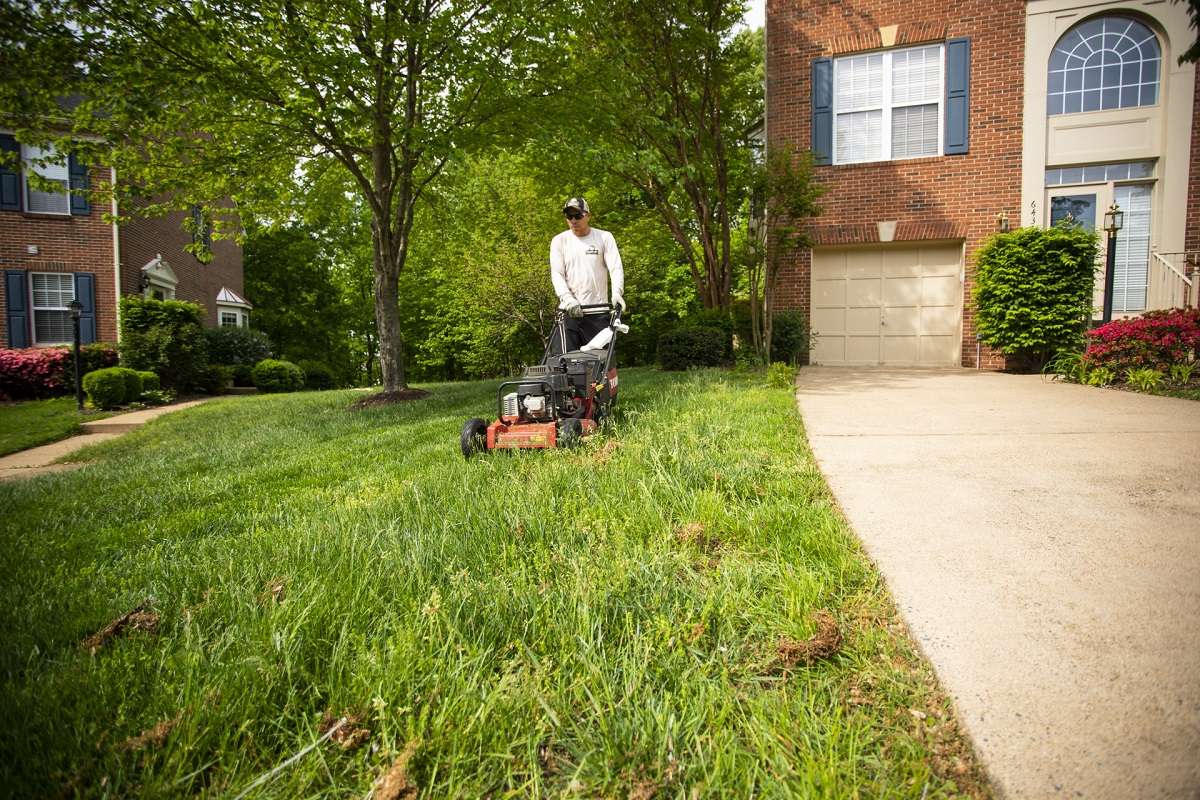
{"x": 1002, "y": 222}
{"x": 1114, "y": 218}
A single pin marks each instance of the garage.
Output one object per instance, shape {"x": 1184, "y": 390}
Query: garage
{"x": 890, "y": 305}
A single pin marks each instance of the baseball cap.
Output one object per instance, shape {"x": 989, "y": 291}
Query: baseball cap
{"x": 577, "y": 203}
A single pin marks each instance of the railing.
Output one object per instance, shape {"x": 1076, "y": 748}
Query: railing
{"x": 1174, "y": 280}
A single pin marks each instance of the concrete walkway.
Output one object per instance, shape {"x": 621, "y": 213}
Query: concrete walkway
{"x": 40, "y": 460}
{"x": 1042, "y": 541}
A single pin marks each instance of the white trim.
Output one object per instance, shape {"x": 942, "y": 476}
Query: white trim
{"x": 48, "y": 172}
{"x": 34, "y": 308}
{"x": 116, "y": 239}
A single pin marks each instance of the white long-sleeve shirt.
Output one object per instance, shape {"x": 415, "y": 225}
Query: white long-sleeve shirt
{"x": 582, "y": 266}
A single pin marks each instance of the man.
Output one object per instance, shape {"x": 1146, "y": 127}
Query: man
{"x": 583, "y": 260}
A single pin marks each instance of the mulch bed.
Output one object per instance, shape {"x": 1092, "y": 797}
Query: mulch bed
{"x": 388, "y": 398}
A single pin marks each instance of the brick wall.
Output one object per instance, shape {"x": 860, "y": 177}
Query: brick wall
{"x": 64, "y": 244}
{"x": 955, "y": 197}
{"x": 144, "y": 238}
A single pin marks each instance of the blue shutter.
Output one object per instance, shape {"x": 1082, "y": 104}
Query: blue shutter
{"x": 16, "y": 300}
{"x": 85, "y": 293}
{"x": 822, "y": 110}
{"x": 80, "y": 203}
{"x": 10, "y": 176}
{"x": 958, "y": 95}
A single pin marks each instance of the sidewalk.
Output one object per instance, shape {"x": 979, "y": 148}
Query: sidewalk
{"x": 40, "y": 460}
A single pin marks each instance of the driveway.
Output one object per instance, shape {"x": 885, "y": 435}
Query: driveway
{"x": 1042, "y": 541}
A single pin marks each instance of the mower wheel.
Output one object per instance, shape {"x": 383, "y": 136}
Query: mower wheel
{"x": 570, "y": 432}
{"x": 474, "y": 437}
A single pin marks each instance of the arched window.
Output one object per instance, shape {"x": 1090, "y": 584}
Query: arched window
{"x": 1104, "y": 63}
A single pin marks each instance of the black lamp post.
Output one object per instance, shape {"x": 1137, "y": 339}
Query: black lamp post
{"x": 1114, "y": 218}
{"x": 76, "y": 312}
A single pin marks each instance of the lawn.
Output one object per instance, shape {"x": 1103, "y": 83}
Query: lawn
{"x": 36, "y": 422}
{"x": 628, "y": 619}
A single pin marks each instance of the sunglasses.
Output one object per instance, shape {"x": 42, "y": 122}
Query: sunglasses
{"x": 573, "y": 215}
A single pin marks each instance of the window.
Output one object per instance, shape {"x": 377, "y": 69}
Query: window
{"x": 51, "y": 317}
{"x": 1099, "y": 173}
{"x": 888, "y": 105}
{"x": 1101, "y": 64}
{"x": 229, "y": 319}
{"x": 46, "y": 202}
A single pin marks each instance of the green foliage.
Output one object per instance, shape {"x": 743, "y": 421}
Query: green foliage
{"x": 1182, "y": 373}
{"x": 94, "y": 356}
{"x": 243, "y": 374}
{"x": 1033, "y": 290}
{"x": 685, "y": 348}
{"x": 791, "y": 337}
{"x": 231, "y": 345}
{"x": 780, "y": 375}
{"x": 157, "y": 397}
{"x": 717, "y": 319}
{"x": 316, "y": 375}
{"x": 110, "y": 387}
{"x": 215, "y": 379}
{"x": 273, "y": 375}
{"x": 150, "y": 381}
{"x": 1101, "y": 376}
{"x": 1144, "y": 379}
{"x": 38, "y": 422}
{"x": 1069, "y": 365}
{"x": 165, "y": 337}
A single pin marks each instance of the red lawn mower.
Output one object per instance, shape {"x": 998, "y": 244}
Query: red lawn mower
{"x": 557, "y": 402}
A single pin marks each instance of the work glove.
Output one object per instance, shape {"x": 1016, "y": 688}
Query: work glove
{"x": 619, "y": 304}
{"x": 573, "y": 309}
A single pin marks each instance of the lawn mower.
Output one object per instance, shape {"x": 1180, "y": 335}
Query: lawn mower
{"x": 560, "y": 400}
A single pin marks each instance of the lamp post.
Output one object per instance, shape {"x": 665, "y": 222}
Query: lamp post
{"x": 1114, "y": 218}
{"x": 76, "y": 308}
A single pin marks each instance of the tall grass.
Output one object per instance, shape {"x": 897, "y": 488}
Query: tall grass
{"x": 595, "y": 622}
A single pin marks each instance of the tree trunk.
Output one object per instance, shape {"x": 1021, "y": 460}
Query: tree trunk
{"x": 387, "y": 308}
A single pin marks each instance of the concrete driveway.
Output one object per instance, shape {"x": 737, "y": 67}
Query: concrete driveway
{"x": 1042, "y": 541}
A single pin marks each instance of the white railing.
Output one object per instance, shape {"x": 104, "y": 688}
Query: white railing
{"x": 1173, "y": 280}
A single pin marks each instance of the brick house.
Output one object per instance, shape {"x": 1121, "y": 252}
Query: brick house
{"x": 934, "y": 124}
{"x": 56, "y": 247}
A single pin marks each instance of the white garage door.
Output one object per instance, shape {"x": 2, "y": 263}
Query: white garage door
{"x": 891, "y": 305}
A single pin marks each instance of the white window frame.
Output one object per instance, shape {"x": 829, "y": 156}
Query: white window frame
{"x": 28, "y": 155}
{"x": 34, "y": 308}
{"x": 153, "y": 285}
{"x": 885, "y": 153}
{"x": 243, "y": 317}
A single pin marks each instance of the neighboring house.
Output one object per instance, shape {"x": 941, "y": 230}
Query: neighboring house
{"x": 56, "y": 247}
{"x": 935, "y": 124}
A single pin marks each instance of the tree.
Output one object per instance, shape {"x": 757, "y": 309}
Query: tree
{"x": 210, "y": 99}
{"x": 672, "y": 98}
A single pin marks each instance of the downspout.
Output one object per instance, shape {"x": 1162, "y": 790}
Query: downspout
{"x": 116, "y": 251}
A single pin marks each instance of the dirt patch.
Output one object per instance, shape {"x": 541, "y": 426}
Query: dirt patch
{"x": 824, "y": 643}
{"x": 606, "y": 452}
{"x": 152, "y": 737}
{"x": 694, "y": 533}
{"x": 395, "y": 783}
{"x": 139, "y": 619}
{"x": 552, "y": 758}
{"x": 644, "y": 789}
{"x": 388, "y": 398}
{"x": 351, "y": 735}
{"x": 274, "y": 591}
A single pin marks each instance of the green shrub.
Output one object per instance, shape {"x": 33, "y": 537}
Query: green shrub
{"x": 1033, "y": 290}
{"x": 243, "y": 374}
{"x": 133, "y": 383}
{"x": 94, "y": 356}
{"x": 780, "y": 375}
{"x": 233, "y": 346}
{"x": 690, "y": 347}
{"x": 215, "y": 379}
{"x": 1101, "y": 376}
{"x": 316, "y": 375}
{"x": 1182, "y": 373}
{"x": 717, "y": 320}
{"x": 157, "y": 397}
{"x": 1144, "y": 379}
{"x": 791, "y": 337}
{"x": 150, "y": 382}
{"x": 273, "y": 375}
{"x": 165, "y": 337}
{"x": 107, "y": 388}
{"x": 1069, "y": 365}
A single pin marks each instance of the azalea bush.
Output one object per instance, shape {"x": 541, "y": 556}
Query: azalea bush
{"x": 37, "y": 372}
{"x": 1156, "y": 340}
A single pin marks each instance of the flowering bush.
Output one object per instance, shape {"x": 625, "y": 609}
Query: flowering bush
{"x": 1155, "y": 340}
{"x": 48, "y": 371}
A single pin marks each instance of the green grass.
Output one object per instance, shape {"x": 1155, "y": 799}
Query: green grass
{"x": 534, "y": 624}
{"x": 36, "y": 422}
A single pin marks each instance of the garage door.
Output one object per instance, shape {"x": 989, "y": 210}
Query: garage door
{"x": 893, "y": 305}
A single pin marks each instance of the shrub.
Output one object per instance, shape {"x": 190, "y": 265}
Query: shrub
{"x": 165, "y": 337}
{"x": 717, "y": 320}
{"x": 273, "y": 375}
{"x": 233, "y": 346}
{"x": 1068, "y": 365}
{"x": 690, "y": 347}
{"x": 316, "y": 375}
{"x": 243, "y": 374}
{"x": 150, "y": 382}
{"x": 1182, "y": 373}
{"x": 1101, "y": 376}
{"x": 48, "y": 371}
{"x": 97, "y": 355}
{"x": 1144, "y": 379}
{"x": 156, "y": 397}
{"x": 1033, "y": 290}
{"x": 110, "y": 387}
{"x": 215, "y": 379}
{"x": 791, "y": 337}
{"x": 780, "y": 375}
{"x": 1155, "y": 340}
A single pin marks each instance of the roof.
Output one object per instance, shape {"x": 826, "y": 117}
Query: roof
{"x": 229, "y": 297}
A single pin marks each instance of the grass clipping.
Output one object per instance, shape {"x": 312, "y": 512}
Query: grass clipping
{"x": 826, "y": 642}
{"x": 139, "y": 619}
{"x": 395, "y": 783}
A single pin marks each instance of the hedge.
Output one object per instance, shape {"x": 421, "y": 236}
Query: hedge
{"x": 233, "y": 346}
{"x": 112, "y": 387}
{"x": 165, "y": 337}
{"x": 1156, "y": 340}
{"x": 36, "y": 372}
{"x": 684, "y": 348}
{"x": 272, "y": 375}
